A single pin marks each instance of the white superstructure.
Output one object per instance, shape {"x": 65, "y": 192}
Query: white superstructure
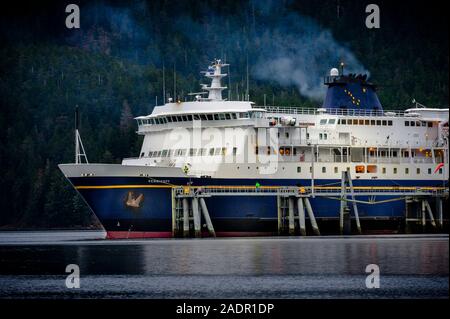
{"x": 236, "y": 139}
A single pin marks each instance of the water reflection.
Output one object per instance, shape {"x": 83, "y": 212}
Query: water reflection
{"x": 290, "y": 256}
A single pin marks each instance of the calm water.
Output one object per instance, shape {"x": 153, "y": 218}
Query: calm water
{"x": 33, "y": 265}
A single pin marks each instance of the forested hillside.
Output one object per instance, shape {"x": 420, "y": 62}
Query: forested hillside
{"x": 112, "y": 68}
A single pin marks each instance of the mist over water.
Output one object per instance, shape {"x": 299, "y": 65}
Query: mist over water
{"x": 279, "y": 44}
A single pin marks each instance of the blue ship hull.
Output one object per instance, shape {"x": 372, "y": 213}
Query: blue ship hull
{"x": 231, "y": 216}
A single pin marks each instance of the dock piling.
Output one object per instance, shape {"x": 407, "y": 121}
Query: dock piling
{"x": 311, "y": 217}
{"x": 185, "y": 217}
{"x": 291, "y": 216}
{"x": 196, "y": 215}
{"x": 355, "y": 206}
{"x": 207, "y": 218}
{"x": 430, "y": 213}
{"x": 301, "y": 216}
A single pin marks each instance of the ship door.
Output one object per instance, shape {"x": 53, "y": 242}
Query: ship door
{"x": 303, "y": 135}
{"x": 344, "y": 138}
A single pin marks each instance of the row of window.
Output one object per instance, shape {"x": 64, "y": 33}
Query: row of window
{"x": 418, "y": 123}
{"x": 356, "y": 122}
{"x": 360, "y": 169}
{"x": 373, "y": 122}
{"x": 198, "y": 117}
{"x": 190, "y": 152}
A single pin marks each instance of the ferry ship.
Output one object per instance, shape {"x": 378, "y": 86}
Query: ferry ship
{"x": 211, "y": 141}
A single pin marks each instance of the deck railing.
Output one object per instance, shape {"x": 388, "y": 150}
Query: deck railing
{"x": 315, "y": 111}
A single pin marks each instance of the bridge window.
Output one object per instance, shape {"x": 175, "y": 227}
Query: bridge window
{"x": 234, "y": 150}
{"x": 233, "y": 116}
{"x": 355, "y": 122}
{"x": 323, "y": 121}
{"x": 372, "y": 122}
{"x": 361, "y": 122}
{"x": 378, "y": 122}
{"x": 222, "y": 116}
{"x": 366, "y": 122}
{"x": 430, "y": 124}
{"x": 390, "y": 123}
{"x": 413, "y": 123}
{"x": 203, "y": 117}
{"x": 196, "y": 117}
{"x": 211, "y": 151}
{"x": 217, "y": 151}
{"x": 384, "y": 122}
{"x": 406, "y": 123}
{"x": 331, "y": 121}
{"x": 343, "y": 121}
{"x": 209, "y": 117}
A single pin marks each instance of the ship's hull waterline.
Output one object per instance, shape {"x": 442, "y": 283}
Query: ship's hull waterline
{"x": 141, "y": 207}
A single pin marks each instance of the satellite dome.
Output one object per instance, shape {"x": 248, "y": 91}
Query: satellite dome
{"x": 334, "y": 72}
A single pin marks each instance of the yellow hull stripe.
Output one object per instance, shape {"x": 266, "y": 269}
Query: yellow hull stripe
{"x": 388, "y": 188}
{"x": 123, "y": 186}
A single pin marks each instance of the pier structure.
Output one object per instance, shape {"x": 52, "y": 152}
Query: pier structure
{"x": 189, "y": 207}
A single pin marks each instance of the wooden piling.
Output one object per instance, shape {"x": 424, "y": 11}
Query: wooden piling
{"x": 430, "y": 213}
{"x": 343, "y": 204}
{"x": 205, "y": 214}
{"x": 440, "y": 212}
{"x": 311, "y": 217}
{"x": 185, "y": 217}
{"x": 196, "y": 215}
{"x": 301, "y": 216}
{"x": 355, "y": 206}
{"x": 279, "y": 215}
{"x": 423, "y": 215}
{"x": 174, "y": 213}
{"x": 291, "y": 216}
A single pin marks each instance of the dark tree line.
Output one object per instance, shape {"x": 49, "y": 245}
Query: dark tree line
{"x": 115, "y": 73}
